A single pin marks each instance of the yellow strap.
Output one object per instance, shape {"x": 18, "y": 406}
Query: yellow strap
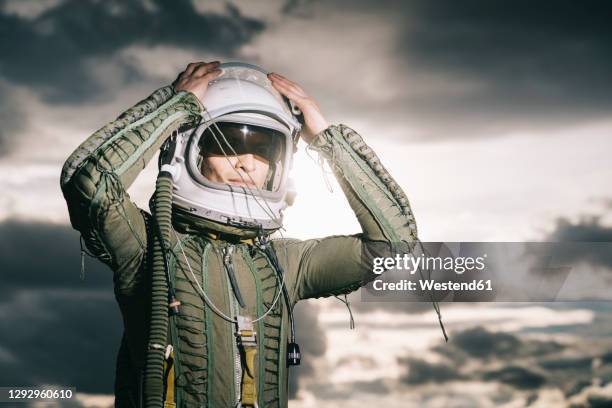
{"x": 249, "y": 384}
{"x": 169, "y": 374}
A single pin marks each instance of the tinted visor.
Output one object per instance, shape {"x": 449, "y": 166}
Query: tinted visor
{"x": 244, "y": 139}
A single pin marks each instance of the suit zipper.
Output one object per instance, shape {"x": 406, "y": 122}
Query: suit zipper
{"x": 227, "y": 261}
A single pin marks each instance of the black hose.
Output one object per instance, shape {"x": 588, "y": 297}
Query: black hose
{"x": 158, "y": 328}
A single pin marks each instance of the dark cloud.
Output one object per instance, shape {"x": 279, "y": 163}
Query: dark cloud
{"x": 527, "y": 364}
{"x": 370, "y": 387}
{"x": 421, "y": 372}
{"x": 588, "y": 229}
{"x": 346, "y": 391}
{"x": 534, "y": 62}
{"x": 586, "y": 240}
{"x": 523, "y": 365}
{"x": 576, "y": 387}
{"x": 61, "y": 337}
{"x": 583, "y": 366}
{"x": 480, "y": 68}
{"x": 592, "y": 396}
{"x": 540, "y": 348}
{"x": 38, "y": 255}
{"x": 480, "y": 343}
{"x": 516, "y": 376}
{"x": 599, "y": 401}
{"x": 55, "y": 328}
{"x": 312, "y": 341}
{"x": 51, "y": 52}
{"x": 12, "y": 119}
{"x": 583, "y": 362}
{"x": 298, "y": 8}
{"x": 606, "y": 358}
{"x": 575, "y": 372}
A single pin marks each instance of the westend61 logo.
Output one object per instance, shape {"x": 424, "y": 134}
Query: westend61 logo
{"x": 410, "y": 263}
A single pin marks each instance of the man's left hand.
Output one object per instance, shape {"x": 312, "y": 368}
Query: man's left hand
{"x": 314, "y": 121}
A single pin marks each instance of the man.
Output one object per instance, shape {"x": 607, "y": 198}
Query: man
{"x": 206, "y": 296}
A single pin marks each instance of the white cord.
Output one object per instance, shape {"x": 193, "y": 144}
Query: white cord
{"x": 212, "y": 305}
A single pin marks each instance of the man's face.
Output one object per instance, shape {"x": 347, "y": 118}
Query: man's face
{"x": 246, "y": 170}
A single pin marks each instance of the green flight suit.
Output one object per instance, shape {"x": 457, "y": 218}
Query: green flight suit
{"x": 94, "y": 181}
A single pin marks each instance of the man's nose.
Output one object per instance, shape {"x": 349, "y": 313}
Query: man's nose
{"x": 246, "y": 162}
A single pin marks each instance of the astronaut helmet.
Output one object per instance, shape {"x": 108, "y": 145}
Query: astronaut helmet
{"x": 243, "y": 117}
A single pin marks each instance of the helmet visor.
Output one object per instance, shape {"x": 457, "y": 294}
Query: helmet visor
{"x": 231, "y": 139}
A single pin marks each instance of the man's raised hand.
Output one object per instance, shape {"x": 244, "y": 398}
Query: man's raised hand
{"x": 314, "y": 120}
{"x": 196, "y": 76}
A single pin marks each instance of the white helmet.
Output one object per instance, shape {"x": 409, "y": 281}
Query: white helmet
{"x": 240, "y": 106}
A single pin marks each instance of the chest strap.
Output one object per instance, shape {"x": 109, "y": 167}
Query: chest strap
{"x": 247, "y": 342}
{"x": 169, "y": 376}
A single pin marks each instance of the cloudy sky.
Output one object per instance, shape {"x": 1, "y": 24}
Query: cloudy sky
{"x": 493, "y": 116}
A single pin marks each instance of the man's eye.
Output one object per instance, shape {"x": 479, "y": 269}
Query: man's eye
{"x": 261, "y": 150}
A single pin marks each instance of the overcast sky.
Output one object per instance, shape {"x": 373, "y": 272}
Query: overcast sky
{"x": 493, "y": 116}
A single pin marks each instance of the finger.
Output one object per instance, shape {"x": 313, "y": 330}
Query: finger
{"x": 279, "y": 77}
{"x": 278, "y": 80}
{"x": 204, "y": 68}
{"x": 210, "y": 75}
{"x": 191, "y": 66}
{"x": 280, "y": 87}
{"x": 292, "y": 96}
{"x": 286, "y": 89}
{"x": 289, "y": 84}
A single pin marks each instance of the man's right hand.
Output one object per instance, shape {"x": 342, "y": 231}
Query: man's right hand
{"x": 196, "y": 76}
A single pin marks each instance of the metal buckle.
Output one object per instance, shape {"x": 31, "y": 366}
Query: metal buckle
{"x": 245, "y": 334}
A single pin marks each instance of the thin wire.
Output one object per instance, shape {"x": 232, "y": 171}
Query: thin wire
{"x": 433, "y": 302}
{"x": 212, "y": 305}
{"x": 348, "y": 306}
{"x": 321, "y": 165}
